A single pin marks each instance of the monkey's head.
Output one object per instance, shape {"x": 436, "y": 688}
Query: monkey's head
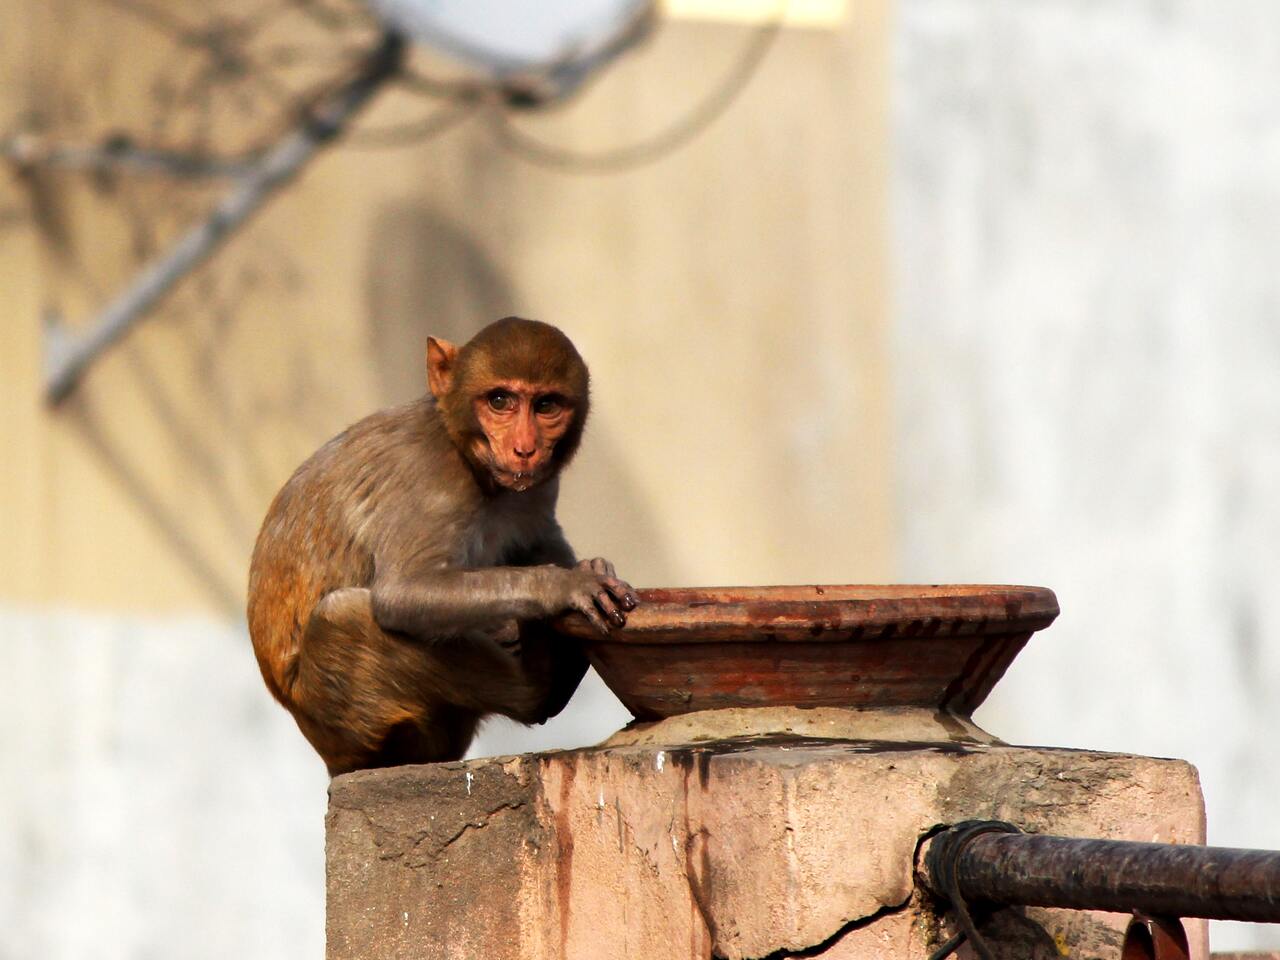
{"x": 514, "y": 399}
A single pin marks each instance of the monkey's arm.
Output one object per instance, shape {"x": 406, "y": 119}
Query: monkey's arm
{"x": 452, "y": 602}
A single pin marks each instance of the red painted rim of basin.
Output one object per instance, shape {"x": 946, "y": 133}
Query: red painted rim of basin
{"x": 820, "y": 612}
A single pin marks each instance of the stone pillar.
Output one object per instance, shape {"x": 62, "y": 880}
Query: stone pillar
{"x": 766, "y": 845}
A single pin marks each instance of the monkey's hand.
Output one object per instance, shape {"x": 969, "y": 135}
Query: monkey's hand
{"x": 596, "y": 592}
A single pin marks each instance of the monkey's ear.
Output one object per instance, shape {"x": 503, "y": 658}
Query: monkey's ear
{"x": 440, "y": 357}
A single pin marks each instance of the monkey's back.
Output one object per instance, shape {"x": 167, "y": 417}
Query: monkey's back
{"x": 339, "y": 511}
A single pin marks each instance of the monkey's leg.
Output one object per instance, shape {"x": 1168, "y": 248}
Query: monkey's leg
{"x": 367, "y": 698}
{"x": 524, "y": 671}
{"x": 553, "y": 665}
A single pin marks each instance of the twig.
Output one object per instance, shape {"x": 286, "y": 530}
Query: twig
{"x": 119, "y": 153}
{"x": 69, "y": 355}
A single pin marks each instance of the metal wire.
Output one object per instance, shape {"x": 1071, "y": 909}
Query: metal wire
{"x": 944, "y": 857}
{"x": 679, "y": 133}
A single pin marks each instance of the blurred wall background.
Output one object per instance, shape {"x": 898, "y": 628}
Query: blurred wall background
{"x": 953, "y": 291}
{"x": 1086, "y": 342}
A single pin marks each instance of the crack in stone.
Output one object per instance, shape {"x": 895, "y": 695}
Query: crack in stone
{"x": 817, "y": 949}
{"x": 410, "y": 853}
{"x": 440, "y": 846}
{"x": 483, "y": 822}
{"x": 376, "y": 832}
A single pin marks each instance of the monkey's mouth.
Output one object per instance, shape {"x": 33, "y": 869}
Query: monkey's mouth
{"x": 517, "y": 480}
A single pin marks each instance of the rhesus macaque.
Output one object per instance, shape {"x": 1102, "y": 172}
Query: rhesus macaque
{"x": 402, "y": 576}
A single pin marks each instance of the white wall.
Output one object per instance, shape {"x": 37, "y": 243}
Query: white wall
{"x": 147, "y": 776}
{"x": 1087, "y": 337}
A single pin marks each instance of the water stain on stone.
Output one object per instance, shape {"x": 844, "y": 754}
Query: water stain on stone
{"x": 564, "y": 863}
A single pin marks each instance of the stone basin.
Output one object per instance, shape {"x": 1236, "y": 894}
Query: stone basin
{"x": 861, "y": 646}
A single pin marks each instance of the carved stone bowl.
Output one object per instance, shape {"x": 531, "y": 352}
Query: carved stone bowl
{"x": 814, "y": 646}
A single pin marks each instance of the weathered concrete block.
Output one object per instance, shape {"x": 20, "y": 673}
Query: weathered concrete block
{"x": 755, "y": 847}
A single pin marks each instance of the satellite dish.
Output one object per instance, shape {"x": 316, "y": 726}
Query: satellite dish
{"x": 542, "y": 48}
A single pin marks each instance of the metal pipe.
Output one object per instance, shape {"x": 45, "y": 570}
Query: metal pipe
{"x": 1158, "y": 879}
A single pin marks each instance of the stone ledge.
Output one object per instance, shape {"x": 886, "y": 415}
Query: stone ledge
{"x": 736, "y": 849}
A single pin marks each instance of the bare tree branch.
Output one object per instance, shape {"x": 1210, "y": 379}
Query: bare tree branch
{"x": 119, "y": 153}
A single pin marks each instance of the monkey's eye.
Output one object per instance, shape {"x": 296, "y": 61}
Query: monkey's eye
{"x": 501, "y": 401}
{"x": 548, "y": 406}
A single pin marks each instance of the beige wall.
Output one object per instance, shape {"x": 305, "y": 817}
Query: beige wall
{"x": 731, "y": 300}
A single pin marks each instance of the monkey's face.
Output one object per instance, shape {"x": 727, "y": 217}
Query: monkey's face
{"x": 521, "y": 424}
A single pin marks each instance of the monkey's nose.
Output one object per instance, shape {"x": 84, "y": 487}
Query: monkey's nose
{"x": 524, "y": 454}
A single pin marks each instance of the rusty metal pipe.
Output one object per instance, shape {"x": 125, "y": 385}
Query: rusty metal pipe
{"x": 1160, "y": 879}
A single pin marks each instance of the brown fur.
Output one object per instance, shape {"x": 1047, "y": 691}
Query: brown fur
{"x": 395, "y": 589}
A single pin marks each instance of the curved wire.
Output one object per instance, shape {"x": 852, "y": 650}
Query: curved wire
{"x": 944, "y": 861}
{"x": 679, "y": 133}
{"x": 417, "y": 131}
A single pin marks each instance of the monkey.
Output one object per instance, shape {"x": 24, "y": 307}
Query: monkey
{"x": 401, "y": 582}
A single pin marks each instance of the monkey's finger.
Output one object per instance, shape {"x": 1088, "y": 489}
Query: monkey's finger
{"x": 606, "y": 604}
{"x": 588, "y": 609}
{"x": 597, "y": 565}
{"x": 622, "y": 592}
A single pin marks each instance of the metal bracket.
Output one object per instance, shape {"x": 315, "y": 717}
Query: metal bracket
{"x": 1155, "y": 938}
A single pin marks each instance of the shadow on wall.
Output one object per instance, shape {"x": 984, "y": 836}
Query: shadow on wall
{"x": 425, "y": 276}
{"x": 133, "y": 476}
